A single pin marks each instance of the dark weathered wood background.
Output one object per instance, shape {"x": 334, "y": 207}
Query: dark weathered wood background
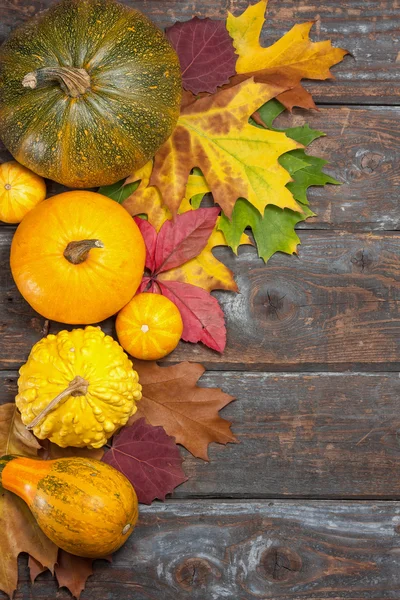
{"x": 307, "y": 506}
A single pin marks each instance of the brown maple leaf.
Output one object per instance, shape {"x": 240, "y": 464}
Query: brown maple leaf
{"x": 71, "y": 571}
{"x": 189, "y": 413}
{"x": 20, "y": 532}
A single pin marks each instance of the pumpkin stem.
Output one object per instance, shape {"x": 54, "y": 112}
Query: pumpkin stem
{"x": 74, "y": 82}
{"x": 77, "y": 252}
{"x": 77, "y": 387}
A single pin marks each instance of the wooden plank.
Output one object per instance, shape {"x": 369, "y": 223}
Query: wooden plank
{"x": 369, "y": 31}
{"x": 318, "y": 435}
{"x": 363, "y": 149}
{"x": 336, "y": 308}
{"x": 241, "y": 551}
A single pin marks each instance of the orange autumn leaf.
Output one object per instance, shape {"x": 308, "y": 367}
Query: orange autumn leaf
{"x": 71, "y": 571}
{"x": 189, "y": 413}
{"x": 146, "y": 199}
{"x": 297, "y": 96}
{"x": 236, "y": 159}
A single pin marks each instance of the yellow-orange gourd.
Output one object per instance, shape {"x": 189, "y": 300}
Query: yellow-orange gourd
{"x": 78, "y": 257}
{"x": 149, "y": 327}
{"x": 77, "y": 388}
{"x": 84, "y": 506}
{"x": 20, "y": 191}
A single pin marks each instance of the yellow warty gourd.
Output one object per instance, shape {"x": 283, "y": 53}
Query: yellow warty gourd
{"x": 77, "y": 388}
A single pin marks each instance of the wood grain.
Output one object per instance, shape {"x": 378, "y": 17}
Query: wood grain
{"x": 336, "y": 308}
{"x": 316, "y": 434}
{"x": 241, "y": 551}
{"x": 369, "y": 31}
{"x": 363, "y": 149}
{"x": 319, "y": 435}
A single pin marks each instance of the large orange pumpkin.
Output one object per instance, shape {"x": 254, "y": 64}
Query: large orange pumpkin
{"x": 77, "y": 257}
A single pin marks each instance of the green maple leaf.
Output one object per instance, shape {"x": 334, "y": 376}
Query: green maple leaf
{"x": 275, "y": 230}
{"x": 119, "y": 191}
{"x": 302, "y": 134}
{"x": 308, "y": 176}
{"x": 304, "y": 177}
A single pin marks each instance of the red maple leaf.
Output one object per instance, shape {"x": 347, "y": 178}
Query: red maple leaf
{"x": 177, "y": 242}
{"x": 149, "y": 458}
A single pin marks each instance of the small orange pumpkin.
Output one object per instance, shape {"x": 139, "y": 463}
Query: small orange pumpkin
{"x": 20, "y": 191}
{"x": 149, "y": 327}
{"x": 78, "y": 257}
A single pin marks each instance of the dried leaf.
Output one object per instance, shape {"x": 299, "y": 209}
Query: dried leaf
{"x": 149, "y": 458}
{"x": 189, "y": 413}
{"x": 293, "y": 56}
{"x": 50, "y": 451}
{"x": 35, "y": 568}
{"x": 297, "y": 96}
{"x": 236, "y": 159}
{"x": 20, "y": 532}
{"x": 205, "y": 51}
{"x": 72, "y": 571}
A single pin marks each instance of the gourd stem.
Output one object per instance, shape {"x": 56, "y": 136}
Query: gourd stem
{"x": 74, "y": 82}
{"x": 78, "y": 386}
{"x": 77, "y": 252}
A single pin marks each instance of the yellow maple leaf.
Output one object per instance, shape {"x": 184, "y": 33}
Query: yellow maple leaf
{"x": 295, "y": 53}
{"x": 236, "y": 159}
{"x": 146, "y": 199}
{"x": 205, "y": 270}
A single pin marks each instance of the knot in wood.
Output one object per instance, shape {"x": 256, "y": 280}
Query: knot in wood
{"x": 361, "y": 260}
{"x": 194, "y": 573}
{"x": 277, "y": 306}
{"x": 371, "y": 161}
{"x": 280, "y": 564}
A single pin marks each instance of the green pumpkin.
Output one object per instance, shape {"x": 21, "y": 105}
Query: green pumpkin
{"x": 89, "y": 90}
